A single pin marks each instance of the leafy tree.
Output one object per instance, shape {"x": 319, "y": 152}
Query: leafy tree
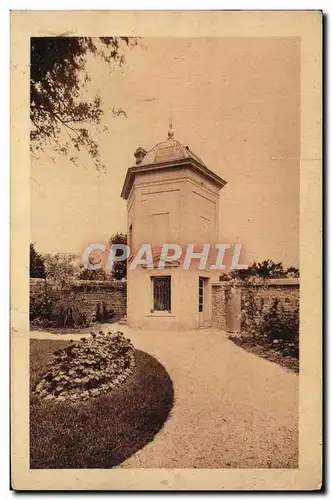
{"x": 293, "y": 272}
{"x": 37, "y": 267}
{"x": 268, "y": 269}
{"x": 59, "y": 113}
{"x": 119, "y": 269}
{"x": 239, "y": 274}
{"x": 93, "y": 274}
{"x": 62, "y": 270}
{"x": 265, "y": 269}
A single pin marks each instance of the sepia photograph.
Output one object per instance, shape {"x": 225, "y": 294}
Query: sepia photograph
{"x": 163, "y": 283}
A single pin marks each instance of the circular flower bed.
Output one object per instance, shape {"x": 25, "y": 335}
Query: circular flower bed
{"x": 87, "y": 369}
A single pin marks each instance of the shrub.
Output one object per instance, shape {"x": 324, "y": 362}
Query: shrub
{"x": 40, "y": 311}
{"x": 103, "y": 314}
{"x": 281, "y": 328}
{"x": 62, "y": 270}
{"x": 252, "y": 314}
{"x": 107, "y": 314}
{"x": 89, "y": 368}
{"x": 37, "y": 267}
{"x": 271, "y": 325}
{"x": 72, "y": 310}
{"x": 98, "y": 315}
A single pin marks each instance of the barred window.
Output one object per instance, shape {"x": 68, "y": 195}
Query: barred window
{"x": 161, "y": 293}
{"x": 200, "y": 294}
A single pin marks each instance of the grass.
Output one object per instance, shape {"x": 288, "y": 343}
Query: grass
{"x": 61, "y": 330}
{"x": 104, "y": 431}
{"x": 265, "y": 352}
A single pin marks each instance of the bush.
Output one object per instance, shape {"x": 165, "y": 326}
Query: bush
{"x": 107, "y": 314}
{"x": 71, "y": 310}
{"x": 281, "y": 328}
{"x": 98, "y": 315}
{"x": 103, "y": 314}
{"x": 89, "y": 368}
{"x": 271, "y": 325}
{"x": 252, "y": 315}
{"x": 40, "y": 311}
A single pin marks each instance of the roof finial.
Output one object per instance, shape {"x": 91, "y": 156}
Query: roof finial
{"x": 170, "y": 130}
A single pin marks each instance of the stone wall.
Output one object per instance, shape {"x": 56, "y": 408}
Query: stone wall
{"x": 287, "y": 294}
{"x": 112, "y": 293}
{"x": 287, "y": 290}
{"x": 219, "y": 306}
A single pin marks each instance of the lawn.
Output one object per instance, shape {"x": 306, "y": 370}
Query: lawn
{"x": 104, "y": 431}
{"x": 63, "y": 331}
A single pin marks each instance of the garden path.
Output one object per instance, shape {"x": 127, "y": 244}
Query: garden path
{"x": 232, "y": 408}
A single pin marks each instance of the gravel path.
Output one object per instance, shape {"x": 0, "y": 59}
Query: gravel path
{"x": 232, "y": 408}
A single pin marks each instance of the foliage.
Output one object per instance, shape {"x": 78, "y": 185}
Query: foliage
{"x": 37, "y": 267}
{"x": 252, "y": 319}
{"x": 119, "y": 269}
{"x": 268, "y": 269}
{"x": 100, "y": 274}
{"x": 72, "y": 310}
{"x": 58, "y": 75}
{"x": 40, "y": 310}
{"x": 64, "y": 306}
{"x": 234, "y": 280}
{"x": 263, "y": 323}
{"x": 103, "y": 314}
{"x": 93, "y": 274}
{"x": 101, "y": 432}
{"x": 270, "y": 324}
{"x": 292, "y": 272}
{"x": 62, "y": 270}
{"x": 265, "y": 269}
{"x": 281, "y": 328}
{"x": 94, "y": 366}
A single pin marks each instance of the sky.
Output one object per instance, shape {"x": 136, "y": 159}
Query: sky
{"x": 235, "y": 103}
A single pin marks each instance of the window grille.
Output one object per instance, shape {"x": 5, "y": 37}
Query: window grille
{"x": 161, "y": 293}
{"x": 200, "y": 294}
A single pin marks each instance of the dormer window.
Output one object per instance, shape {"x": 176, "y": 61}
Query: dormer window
{"x": 139, "y": 155}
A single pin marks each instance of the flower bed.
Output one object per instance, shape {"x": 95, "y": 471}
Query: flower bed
{"x": 87, "y": 369}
